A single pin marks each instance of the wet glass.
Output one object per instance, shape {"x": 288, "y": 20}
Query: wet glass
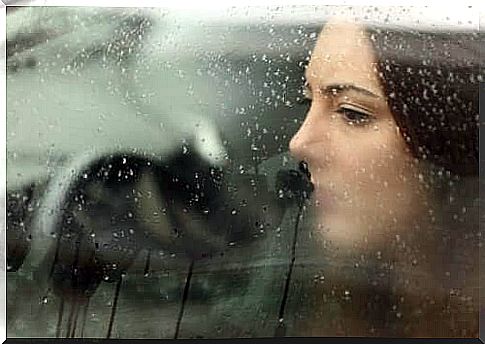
{"x": 156, "y": 187}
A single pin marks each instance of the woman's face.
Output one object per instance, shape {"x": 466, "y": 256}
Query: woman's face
{"x": 366, "y": 182}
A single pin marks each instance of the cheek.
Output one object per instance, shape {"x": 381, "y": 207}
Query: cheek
{"x": 377, "y": 157}
{"x": 366, "y": 162}
{"x": 388, "y": 191}
{"x": 377, "y": 170}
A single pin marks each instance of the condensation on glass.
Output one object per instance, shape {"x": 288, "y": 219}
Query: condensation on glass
{"x": 242, "y": 173}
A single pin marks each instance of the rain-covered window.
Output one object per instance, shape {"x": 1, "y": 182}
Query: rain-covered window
{"x": 242, "y": 172}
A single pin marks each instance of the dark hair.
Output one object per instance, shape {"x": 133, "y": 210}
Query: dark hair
{"x": 431, "y": 80}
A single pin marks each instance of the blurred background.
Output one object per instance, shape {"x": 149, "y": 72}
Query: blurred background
{"x": 114, "y": 116}
{"x": 150, "y": 193}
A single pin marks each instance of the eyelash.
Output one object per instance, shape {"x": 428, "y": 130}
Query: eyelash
{"x": 346, "y": 112}
{"x": 354, "y": 117}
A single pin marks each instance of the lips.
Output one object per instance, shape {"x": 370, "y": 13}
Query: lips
{"x": 322, "y": 196}
{"x": 312, "y": 179}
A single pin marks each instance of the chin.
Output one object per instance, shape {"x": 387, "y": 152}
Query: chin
{"x": 336, "y": 228}
{"x": 345, "y": 230}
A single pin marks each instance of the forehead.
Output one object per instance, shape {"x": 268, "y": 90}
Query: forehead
{"x": 344, "y": 54}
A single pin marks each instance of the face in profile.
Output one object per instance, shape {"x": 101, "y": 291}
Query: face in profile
{"x": 366, "y": 181}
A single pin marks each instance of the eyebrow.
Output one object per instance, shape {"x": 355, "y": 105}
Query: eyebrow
{"x": 331, "y": 88}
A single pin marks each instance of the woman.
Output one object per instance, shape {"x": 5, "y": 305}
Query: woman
{"x": 391, "y": 143}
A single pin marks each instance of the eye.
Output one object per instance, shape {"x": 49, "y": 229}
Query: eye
{"x": 355, "y": 116}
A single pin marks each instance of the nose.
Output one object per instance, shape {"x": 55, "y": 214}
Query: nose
{"x": 300, "y": 144}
